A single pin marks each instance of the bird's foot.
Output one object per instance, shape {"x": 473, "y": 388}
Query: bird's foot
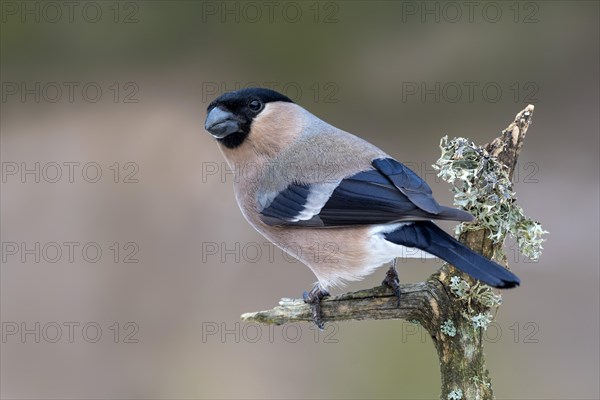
{"x": 313, "y": 299}
{"x": 391, "y": 280}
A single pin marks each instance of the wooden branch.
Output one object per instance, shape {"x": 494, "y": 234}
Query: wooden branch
{"x": 418, "y": 301}
{"x": 508, "y": 145}
{"x": 462, "y": 362}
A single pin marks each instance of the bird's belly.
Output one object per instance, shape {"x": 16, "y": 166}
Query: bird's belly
{"x": 334, "y": 255}
{"x": 339, "y": 255}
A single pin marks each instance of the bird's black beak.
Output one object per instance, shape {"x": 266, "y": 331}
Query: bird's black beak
{"x": 221, "y": 123}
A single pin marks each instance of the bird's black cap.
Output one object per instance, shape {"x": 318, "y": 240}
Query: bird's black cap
{"x": 244, "y": 95}
{"x": 230, "y": 116}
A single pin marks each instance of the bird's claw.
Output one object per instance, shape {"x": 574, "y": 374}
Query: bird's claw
{"x": 392, "y": 280}
{"x": 313, "y": 299}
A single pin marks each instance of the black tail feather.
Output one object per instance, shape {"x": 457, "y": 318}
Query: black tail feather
{"x": 427, "y": 236}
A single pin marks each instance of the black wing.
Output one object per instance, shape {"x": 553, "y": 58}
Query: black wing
{"x": 390, "y": 192}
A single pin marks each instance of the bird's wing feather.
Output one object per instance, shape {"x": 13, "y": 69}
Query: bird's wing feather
{"x": 409, "y": 183}
{"x": 388, "y": 193}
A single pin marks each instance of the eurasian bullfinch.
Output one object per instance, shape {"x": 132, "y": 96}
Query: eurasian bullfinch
{"x": 330, "y": 199}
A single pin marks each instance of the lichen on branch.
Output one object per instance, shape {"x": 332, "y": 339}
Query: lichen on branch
{"x": 482, "y": 186}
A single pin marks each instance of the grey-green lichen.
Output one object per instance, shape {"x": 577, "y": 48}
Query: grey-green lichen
{"x": 456, "y": 394}
{"x": 482, "y": 187}
{"x": 448, "y": 328}
{"x": 481, "y": 381}
{"x": 484, "y": 294}
{"x": 459, "y": 287}
{"x": 479, "y": 292}
{"x": 481, "y": 320}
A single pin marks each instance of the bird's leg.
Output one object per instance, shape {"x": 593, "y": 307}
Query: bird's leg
{"x": 391, "y": 280}
{"x": 313, "y": 299}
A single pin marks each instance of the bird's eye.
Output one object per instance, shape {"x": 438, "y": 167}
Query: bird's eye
{"x": 255, "y": 105}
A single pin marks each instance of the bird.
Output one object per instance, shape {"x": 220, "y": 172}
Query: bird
{"x": 330, "y": 199}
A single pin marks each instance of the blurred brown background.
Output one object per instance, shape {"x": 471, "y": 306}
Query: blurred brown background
{"x": 122, "y": 90}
